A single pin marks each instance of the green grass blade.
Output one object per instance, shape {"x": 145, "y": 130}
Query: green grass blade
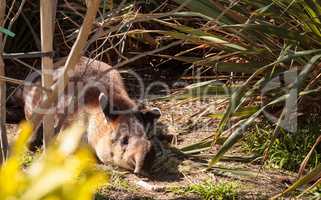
{"x": 206, "y": 8}
{"x": 302, "y": 181}
{"x": 192, "y": 14}
{"x": 199, "y": 35}
{"x": 247, "y": 68}
{"x": 244, "y": 112}
{"x": 273, "y": 30}
{"x": 197, "y": 147}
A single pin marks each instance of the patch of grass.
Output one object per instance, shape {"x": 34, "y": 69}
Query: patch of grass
{"x": 209, "y": 190}
{"x": 316, "y": 193}
{"x": 118, "y": 183}
{"x": 257, "y": 138}
{"x": 289, "y": 149}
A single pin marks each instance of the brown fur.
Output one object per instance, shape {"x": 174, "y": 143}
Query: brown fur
{"x": 117, "y": 138}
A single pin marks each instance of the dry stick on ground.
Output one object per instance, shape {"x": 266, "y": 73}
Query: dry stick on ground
{"x": 3, "y": 134}
{"x": 46, "y": 17}
{"x": 71, "y": 62}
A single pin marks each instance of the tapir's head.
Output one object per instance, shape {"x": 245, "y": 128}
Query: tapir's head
{"x": 126, "y": 143}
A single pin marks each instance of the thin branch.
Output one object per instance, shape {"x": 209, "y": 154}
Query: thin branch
{"x": 23, "y": 83}
{"x": 9, "y": 13}
{"x": 12, "y": 21}
{"x": 35, "y": 54}
{"x": 27, "y": 65}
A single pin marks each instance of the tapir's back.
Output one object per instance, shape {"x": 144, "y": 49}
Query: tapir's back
{"x": 89, "y": 79}
{"x": 92, "y": 77}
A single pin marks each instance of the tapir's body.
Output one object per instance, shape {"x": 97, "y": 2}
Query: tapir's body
{"x": 115, "y": 126}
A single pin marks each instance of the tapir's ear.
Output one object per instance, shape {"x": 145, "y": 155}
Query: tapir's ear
{"x": 149, "y": 116}
{"x": 106, "y": 107}
{"x": 152, "y": 114}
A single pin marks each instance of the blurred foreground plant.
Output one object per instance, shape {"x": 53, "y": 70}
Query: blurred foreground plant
{"x": 65, "y": 171}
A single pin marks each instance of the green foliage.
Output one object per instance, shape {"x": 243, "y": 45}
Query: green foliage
{"x": 276, "y": 36}
{"x": 257, "y": 138}
{"x": 269, "y": 36}
{"x": 288, "y": 150}
{"x": 65, "y": 171}
{"x": 118, "y": 182}
{"x": 316, "y": 192}
{"x": 209, "y": 190}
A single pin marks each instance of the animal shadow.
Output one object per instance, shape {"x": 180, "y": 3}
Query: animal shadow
{"x": 162, "y": 163}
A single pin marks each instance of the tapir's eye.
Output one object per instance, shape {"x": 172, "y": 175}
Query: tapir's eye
{"x": 124, "y": 140}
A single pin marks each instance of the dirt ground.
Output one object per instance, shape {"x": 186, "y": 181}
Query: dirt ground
{"x": 182, "y": 119}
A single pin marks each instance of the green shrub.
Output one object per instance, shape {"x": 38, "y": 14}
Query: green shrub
{"x": 289, "y": 149}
